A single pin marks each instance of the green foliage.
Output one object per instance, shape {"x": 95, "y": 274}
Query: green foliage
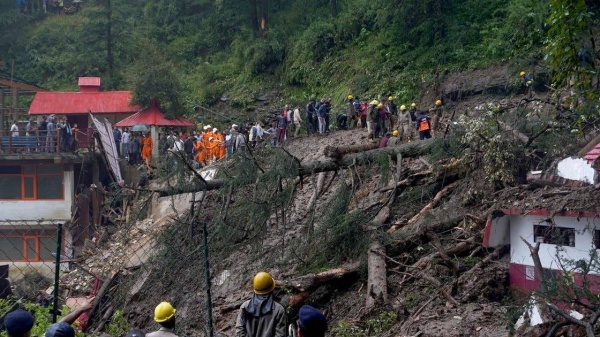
{"x": 43, "y": 318}
{"x": 152, "y": 77}
{"x": 373, "y": 326}
{"x": 569, "y": 29}
{"x": 118, "y": 324}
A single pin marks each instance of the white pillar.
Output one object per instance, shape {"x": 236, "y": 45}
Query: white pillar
{"x": 154, "y": 135}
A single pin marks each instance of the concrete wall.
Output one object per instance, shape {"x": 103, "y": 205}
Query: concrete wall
{"x": 34, "y": 210}
{"x": 522, "y": 226}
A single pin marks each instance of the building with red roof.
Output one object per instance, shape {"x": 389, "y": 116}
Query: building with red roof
{"x": 112, "y": 105}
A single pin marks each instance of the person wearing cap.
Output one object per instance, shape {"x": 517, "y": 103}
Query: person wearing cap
{"x": 403, "y": 127}
{"x": 311, "y": 322}
{"x": 164, "y": 314}
{"x": 393, "y": 140}
{"x": 391, "y": 110}
{"x": 63, "y": 327}
{"x": 261, "y": 316}
{"x": 135, "y": 333}
{"x": 18, "y": 323}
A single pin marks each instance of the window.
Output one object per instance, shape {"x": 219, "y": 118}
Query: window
{"x": 554, "y": 235}
{"x": 24, "y": 245}
{"x": 31, "y": 182}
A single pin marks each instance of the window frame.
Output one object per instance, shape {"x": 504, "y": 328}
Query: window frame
{"x": 34, "y": 177}
{"x": 25, "y": 235}
{"x": 549, "y": 238}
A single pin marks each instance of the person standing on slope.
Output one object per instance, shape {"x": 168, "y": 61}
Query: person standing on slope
{"x": 164, "y": 314}
{"x": 261, "y": 316}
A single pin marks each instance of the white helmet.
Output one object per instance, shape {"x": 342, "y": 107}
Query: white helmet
{"x": 208, "y": 126}
{"x": 214, "y": 129}
{"x": 205, "y": 127}
{"x": 210, "y": 138}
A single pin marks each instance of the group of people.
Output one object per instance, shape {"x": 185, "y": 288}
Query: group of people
{"x": 379, "y": 117}
{"x": 51, "y": 134}
{"x": 260, "y": 316}
{"x": 134, "y": 148}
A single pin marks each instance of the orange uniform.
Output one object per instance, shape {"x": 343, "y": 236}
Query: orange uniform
{"x": 200, "y": 152}
{"x": 146, "y": 148}
{"x": 211, "y": 149}
{"x": 221, "y": 145}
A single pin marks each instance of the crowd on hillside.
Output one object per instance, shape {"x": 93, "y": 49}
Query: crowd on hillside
{"x": 384, "y": 121}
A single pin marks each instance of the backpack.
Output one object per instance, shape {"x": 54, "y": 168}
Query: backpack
{"x": 424, "y": 124}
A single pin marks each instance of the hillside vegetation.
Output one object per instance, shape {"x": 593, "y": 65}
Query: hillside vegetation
{"x": 204, "y": 49}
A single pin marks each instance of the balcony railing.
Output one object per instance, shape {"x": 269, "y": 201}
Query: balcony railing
{"x": 44, "y": 142}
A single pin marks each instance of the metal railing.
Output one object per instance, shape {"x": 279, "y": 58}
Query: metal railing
{"x": 20, "y": 142}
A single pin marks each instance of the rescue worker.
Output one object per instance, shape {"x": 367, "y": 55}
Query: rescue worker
{"x": 380, "y": 129}
{"x": 211, "y": 149}
{"x": 164, "y": 314}
{"x": 351, "y": 112}
{"x": 392, "y": 113}
{"x": 311, "y": 322}
{"x": 220, "y": 144}
{"x": 261, "y": 316}
{"x": 393, "y": 139}
{"x": 200, "y": 152}
{"x": 372, "y": 117}
{"x": 413, "y": 112}
{"x": 423, "y": 125}
{"x": 528, "y": 81}
{"x": 404, "y": 122}
{"x": 437, "y": 115}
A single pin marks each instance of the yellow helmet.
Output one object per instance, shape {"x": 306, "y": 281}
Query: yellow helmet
{"x": 390, "y": 98}
{"x": 395, "y": 133}
{"x": 438, "y": 102}
{"x": 164, "y": 312}
{"x": 263, "y": 283}
{"x": 522, "y": 73}
{"x": 380, "y": 105}
{"x": 413, "y": 105}
{"x": 403, "y": 107}
{"x": 374, "y": 102}
{"x": 350, "y": 97}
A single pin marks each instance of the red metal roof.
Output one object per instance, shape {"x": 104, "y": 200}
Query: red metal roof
{"x": 91, "y": 81}
{"x": 69, "y": 103}
{"x": 152, "y": 116}
{"x": 592, "y": 155}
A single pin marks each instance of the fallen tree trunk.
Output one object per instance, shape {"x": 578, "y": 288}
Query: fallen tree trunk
{"x": 377, "y": 272}
{"x": 312, "y": 281}
{"x": 415, "y": 235}
{"x": 408, "y": 150}
{"x": 338, "y": 151}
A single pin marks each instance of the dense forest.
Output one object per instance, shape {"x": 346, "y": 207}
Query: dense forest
{"x": 189, "y": 52}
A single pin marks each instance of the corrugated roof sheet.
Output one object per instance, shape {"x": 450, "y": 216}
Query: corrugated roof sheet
{"x": 153, "y": 116}
{"x": 592, "y": 155}
{"x": 105, "y": 102}
{"x": 92, "y": 81}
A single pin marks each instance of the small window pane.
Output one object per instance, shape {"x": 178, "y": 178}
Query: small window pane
{"x": 10, "y": 169}
{"x": 47, "y": 249}
{"x": 28, "y": 169}
{"x": 50, "y": 187}
{"x": 50, "y": 169}
{"x": 28, "y": 193}
{"x": 10, "y": 187}
{"x": 31, "y": 253}
{"x": 11, "y": 249}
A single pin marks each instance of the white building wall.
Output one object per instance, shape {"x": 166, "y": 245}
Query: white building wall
{"x": 522, "y": 226}
{"x": 35, "y": 210}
